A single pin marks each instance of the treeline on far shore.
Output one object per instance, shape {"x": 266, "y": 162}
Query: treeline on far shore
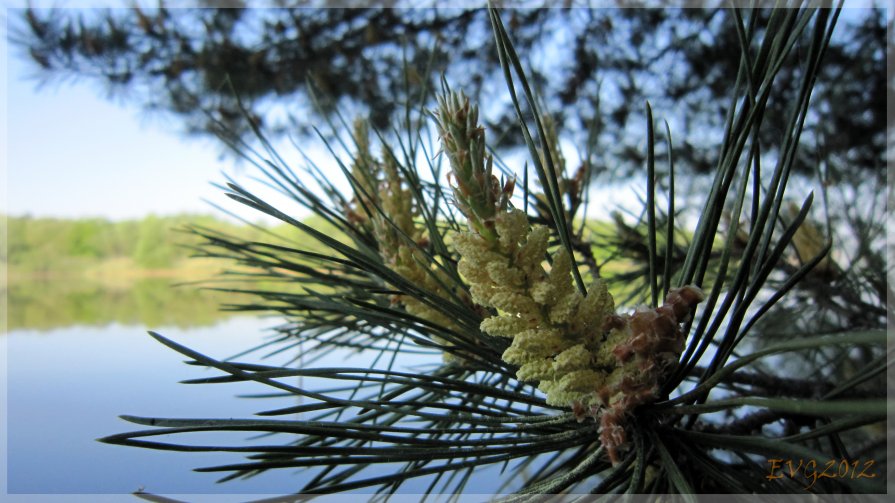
{"x": 66, "y": 272}
{"x": 93, "y": 271}
{"x": 55, "y": 247}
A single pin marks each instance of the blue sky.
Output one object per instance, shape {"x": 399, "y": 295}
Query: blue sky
{"x": 73, "y": 153}
{"x": 70, "y": 152}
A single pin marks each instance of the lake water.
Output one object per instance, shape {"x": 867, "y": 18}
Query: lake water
{"x": 75, "y": 362}
{"x": 77, "y": 356}
{"x": 67, "y": 386}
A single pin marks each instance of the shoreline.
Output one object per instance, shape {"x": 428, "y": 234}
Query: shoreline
{"x": 117, "y": 270}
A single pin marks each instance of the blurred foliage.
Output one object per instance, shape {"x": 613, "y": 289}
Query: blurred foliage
{"x": 151, "y": 302}
{"x": 593, "y": 66}
{"x": 63, "y": 272}
{"x": 72, "y": 247}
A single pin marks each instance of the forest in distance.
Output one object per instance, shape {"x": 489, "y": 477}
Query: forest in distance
{"x": 66, "y": 248}
{"x": 93, "y": 271}
{"x": 154, "y": 246}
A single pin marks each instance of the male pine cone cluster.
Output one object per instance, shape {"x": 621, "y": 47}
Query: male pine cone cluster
{"x": 580, "y": 353}
{"x": 387, "y": 207}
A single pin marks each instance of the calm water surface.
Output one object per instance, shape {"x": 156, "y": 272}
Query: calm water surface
{"x": 75, "y": 362}
{"x": 67, "y": 386}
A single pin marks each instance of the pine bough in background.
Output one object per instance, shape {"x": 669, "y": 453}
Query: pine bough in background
{"x": 544, "y": 373}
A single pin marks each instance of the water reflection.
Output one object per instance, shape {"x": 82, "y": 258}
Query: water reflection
{"x": 67, "y": 387}
{"x": 147, "y": 302}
